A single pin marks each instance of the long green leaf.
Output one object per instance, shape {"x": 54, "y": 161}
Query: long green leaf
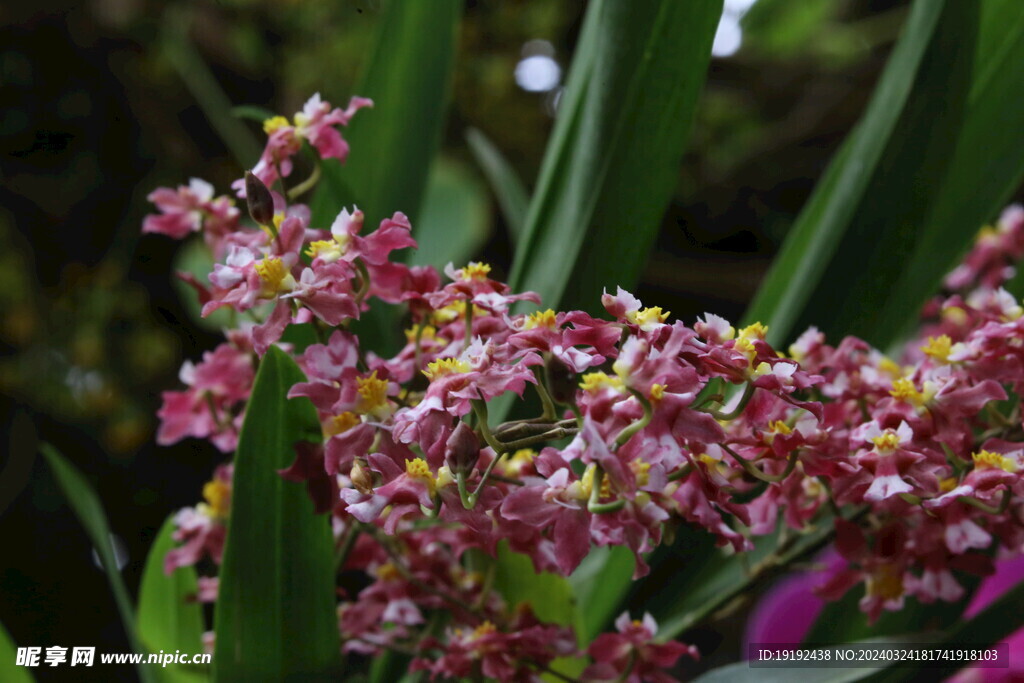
{"x": 814, "y": 240}
{"x": 9, "y": 672}
{"x": 985, "y": 168}
{"x": 612, "y": 161}
{"x": 86, "y": 505}
{"x": 455, "y": 221}
{"x": 275, "y": 615}
{"x": 409, "y": 79}
{"x": 508, "y": 188}
{"x": 892, "y": 221}
{"x": 600, "y": 583}
{"x": 169, "y": 616}
{"x": 549, "y": 595}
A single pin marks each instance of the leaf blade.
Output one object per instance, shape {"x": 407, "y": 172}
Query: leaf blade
{"x": 86, "y": 506}
{"x": 276, "y": 579}
{"x": 169, "y": 618}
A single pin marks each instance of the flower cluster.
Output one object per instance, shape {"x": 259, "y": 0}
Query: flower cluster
{"x": 642, "y": 424}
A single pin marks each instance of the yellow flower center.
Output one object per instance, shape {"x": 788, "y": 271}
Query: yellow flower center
{"x": 595, "y": 381}
{"x": 947, "y": 484}
{"x": 373, "y": 393}
{"x": 984, "y": 459}
{"x": 482, "y": 630}
{"x": 903, "y": 389}
{"x": 218, "y": 497}
{"x": 955, "y": 315}
{"x": 938, "y": 348}
{"x": 419, "y": 469}
{"x": 780, "y": 427}
{"x": 885, "y": 582}
{"x": 648, "y": 316}
{"x": 586, "y": 484}
{"x": 540, "y": 319}
{"x": 755, "y": 331}
{"x": 424, "y": 331}
{"x": 476, "y": 271}
{"x": 275, "y": 276}
{"x": 445, "y": 366}
{"x": 641, "y": 470}
{"x": 887, "y": 366}
{"x": 518, "y": 461}
{"x": 388, "y": 572}
{"x": 274, "y": 124}
{"x": 339, "y": 424}
{"x": 889, "y": 441}
{"x": 657, "y": 392}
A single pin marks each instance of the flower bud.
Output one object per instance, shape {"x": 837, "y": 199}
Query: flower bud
{"x": 561, "y": 380}
{"x": 462, "y": 450}
{"x": 361, "y": 478}
{"x": 257, "y": 196}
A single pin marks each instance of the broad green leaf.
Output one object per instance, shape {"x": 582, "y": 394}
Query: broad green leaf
{"x": 813, "y": 246}
{"x": 508, "y": 188}
{"x": 549, "y": 595}
{"x": 86, "y": 505}
{"x": 613, "y": 158}
{"x": 275, "y": 617}
{"x": 986, "y": 166}
{"x": 332, "y": 194}
{"x": 408, "y": 77}
{"x": 9, "y": 672}
{"x": 599, "y": 584}
{"x": 169, "y": 616}
{"x": 455, "y": 220}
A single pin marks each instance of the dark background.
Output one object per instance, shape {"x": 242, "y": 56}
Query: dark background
{"x": 102, "y": 101}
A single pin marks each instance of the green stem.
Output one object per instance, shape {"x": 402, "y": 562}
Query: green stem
{"x": 757, "y": 473}
{"x": 984, "y": 507}
{"x": 748, "y": 392}
{"x": 629, "y": 430}
{"x": 307, "y": 184}
{"x": 551, "y": 435}
{"x": 550, "y": 413}
{"x": 345, "y": 545}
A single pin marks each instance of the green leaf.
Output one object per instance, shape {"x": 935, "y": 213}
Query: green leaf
{"x": 169, "y": 616}
{"x": 549, "y": 595}
{"x": 985, "y": 168}
{"x": 600, "y": 583}
{"x": 613, "y": 159}
{"x": 86, "y": 506}
{"x": 275, "y": 612}
{"x": 508, "y": 188}
{"x": 332, "y": 194}
{"x": 883, "y": 145}
{"x": 9, "y": 672}
{"x": 408, "y": 78}
{"x": 456, "y": 219}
